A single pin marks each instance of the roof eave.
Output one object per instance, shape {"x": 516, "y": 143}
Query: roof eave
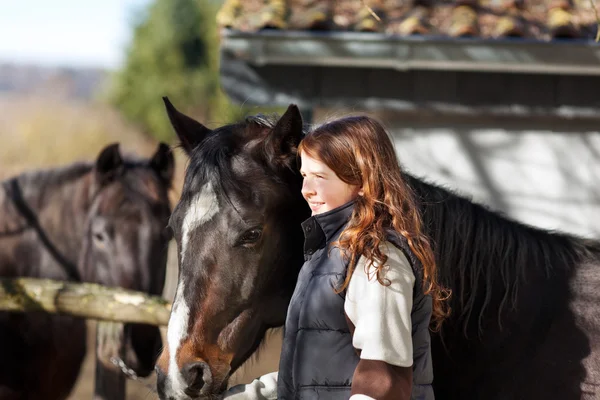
{"x": 358, "y": 49}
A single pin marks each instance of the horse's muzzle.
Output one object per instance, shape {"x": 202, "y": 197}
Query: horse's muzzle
{"x": 194, "y": 377}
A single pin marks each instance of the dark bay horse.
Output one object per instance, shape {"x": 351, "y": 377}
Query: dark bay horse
{"x": 526, "y": 301}
{"x": 97, "y": 222}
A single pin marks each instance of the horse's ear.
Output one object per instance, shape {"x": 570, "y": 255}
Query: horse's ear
{"x": 189, "y": 131}
{"x": 163, "y": 162}
{"x": 109, "y": 163}
{"x": 287, "y": 133}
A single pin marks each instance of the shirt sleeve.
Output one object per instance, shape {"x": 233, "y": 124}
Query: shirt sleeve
{"x": 263, "y": 388}
{"x": 381, "y": 314}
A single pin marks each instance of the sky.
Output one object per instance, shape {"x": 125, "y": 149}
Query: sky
{"x": 79, "y": 33}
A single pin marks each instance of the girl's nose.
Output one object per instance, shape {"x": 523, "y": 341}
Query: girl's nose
{"x": 307, "y": 189}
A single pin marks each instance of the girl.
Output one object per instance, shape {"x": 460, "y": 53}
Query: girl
{"x": 358, "y": 322}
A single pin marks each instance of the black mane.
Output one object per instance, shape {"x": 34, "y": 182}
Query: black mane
{"x": 487, "y": 254}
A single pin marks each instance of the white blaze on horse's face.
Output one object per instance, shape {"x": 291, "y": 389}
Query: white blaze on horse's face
{"x": 176, "y": 333}
{"x": 203, "y": 207}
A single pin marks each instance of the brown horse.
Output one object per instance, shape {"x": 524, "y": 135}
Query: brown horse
{"x": 526, "y": 315}
{"x": 97, "y": 222}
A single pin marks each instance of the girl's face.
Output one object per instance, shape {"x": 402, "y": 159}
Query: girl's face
{"x": 322, "y": 188}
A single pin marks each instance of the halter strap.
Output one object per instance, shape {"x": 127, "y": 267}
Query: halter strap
{"x": 14, "y": 192}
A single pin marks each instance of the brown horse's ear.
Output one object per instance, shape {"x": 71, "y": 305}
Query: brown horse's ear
{"x": 109, "y": 164}
{"x": 163, "y": 162}
{"x": 189, "y": 131}
{"x": 287, "y": 134}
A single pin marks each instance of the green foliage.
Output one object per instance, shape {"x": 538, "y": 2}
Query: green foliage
{"x": 174, "y": 52}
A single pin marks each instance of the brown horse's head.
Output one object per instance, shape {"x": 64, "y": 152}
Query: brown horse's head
{"x": 237, "y": 261}
{"x": 125, "y": 242}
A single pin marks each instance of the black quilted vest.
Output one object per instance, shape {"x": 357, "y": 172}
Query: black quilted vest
{"x": 317, "y": 358}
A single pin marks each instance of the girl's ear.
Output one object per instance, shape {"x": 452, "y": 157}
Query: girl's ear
{"x": 361, "y": 192}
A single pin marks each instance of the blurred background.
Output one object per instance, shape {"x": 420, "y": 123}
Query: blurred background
{"x": 77, "y": 75}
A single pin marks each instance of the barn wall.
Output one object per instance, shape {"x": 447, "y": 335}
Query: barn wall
{"x": 545, "y": 174}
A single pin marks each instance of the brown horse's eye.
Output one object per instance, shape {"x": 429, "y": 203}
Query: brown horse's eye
{"x": 99, "y": 233}
{"x": 250, "y": 237}
{"x": 100, "y": 239}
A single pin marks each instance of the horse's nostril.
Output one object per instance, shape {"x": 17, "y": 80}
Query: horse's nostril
{"x": 193, "y": 374}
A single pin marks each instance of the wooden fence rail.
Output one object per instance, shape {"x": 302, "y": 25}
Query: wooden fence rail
{"x": 111, "y": 307}
{"x": 86, "y": 300}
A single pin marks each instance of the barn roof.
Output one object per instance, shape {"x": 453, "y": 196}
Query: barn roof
{"x": 539, "y": 20}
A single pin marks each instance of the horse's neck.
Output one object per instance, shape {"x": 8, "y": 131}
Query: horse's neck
{"x": 57, "y": 201}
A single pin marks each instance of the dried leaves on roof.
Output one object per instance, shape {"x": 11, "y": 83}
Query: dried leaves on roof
{"x": 532, "y": 19}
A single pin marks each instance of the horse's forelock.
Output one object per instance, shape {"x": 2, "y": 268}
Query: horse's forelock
{"x": 213, "y": 160}
{"x": 233, "y": 162}
{"x": 144, "y": 182}
{"x": 262, "y": 121}
{"x": 138, "y": 184}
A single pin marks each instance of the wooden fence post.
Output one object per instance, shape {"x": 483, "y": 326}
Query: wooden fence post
{"x": 110, "y": 342}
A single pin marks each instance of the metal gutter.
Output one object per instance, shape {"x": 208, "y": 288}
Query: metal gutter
{"x": 375, "y": 50}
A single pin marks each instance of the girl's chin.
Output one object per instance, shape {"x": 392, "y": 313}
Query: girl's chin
{"x": 317, "y": 208}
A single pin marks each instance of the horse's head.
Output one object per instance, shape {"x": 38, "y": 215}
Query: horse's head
{"x": 125, "y": 242}
{"x": 237, "y": 227}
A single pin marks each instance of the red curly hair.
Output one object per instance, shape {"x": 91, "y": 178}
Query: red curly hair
{"x": 360, "y": 152}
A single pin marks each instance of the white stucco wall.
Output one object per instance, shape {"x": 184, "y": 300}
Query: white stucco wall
{"x": 544, "y": 176}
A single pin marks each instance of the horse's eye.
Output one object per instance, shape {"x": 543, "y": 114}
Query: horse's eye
{"x": 251, "y": 236}
{"x": 101, "y": 232}
{"x": 99, "y": 239}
